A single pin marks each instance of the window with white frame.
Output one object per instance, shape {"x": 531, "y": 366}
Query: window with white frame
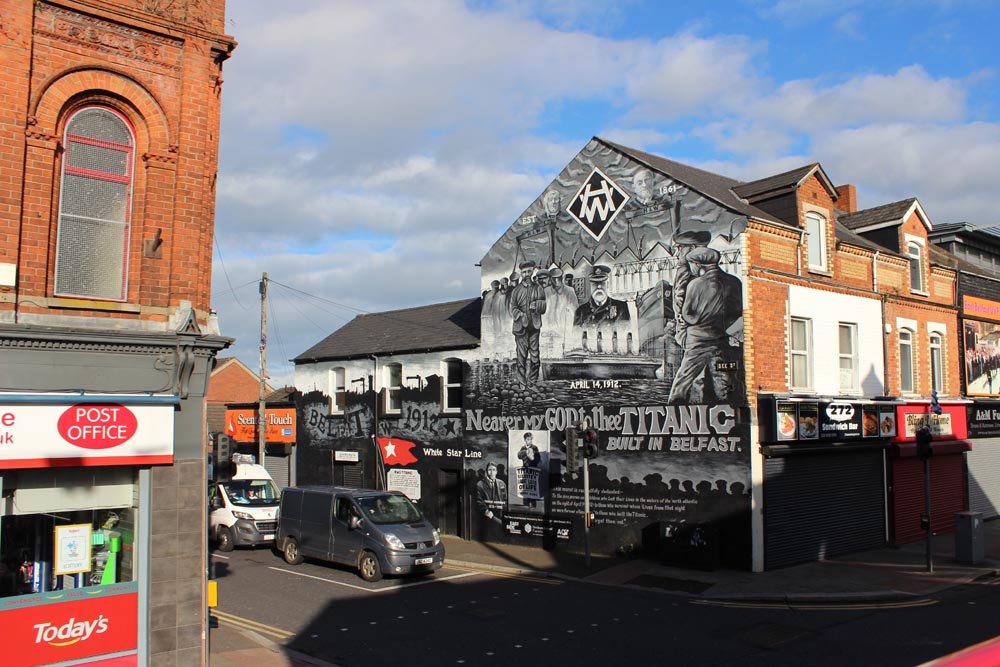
{"x": 937, "y": 368}
{"x": 914, "y": 251}
{"x": 393, "y": 388}
{"x": 95, "y": 206}
{"x": 338, "y": 389}
{"x": 848, "y": 337}
{"x": 816, "y": 240}
{"x": 451, "y": 385}
{"x": 906, "y": 361}
{"x": 800, "y": 353}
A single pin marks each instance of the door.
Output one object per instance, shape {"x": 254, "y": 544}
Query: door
{"x": 449, "y": 501}
{"x": 347, "y": 541}
{"x": 314, "y": 538}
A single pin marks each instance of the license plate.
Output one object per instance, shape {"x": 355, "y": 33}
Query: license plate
{"x": 423, "y": 561}
{"x": 269, "y": 537}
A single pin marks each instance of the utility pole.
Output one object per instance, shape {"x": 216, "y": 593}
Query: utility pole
{"x": 261, "y": 423}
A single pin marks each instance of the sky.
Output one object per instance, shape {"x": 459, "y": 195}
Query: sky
{"x": 372, "y": 152}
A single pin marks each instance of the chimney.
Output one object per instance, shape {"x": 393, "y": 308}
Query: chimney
{"x": 847, "y": 198}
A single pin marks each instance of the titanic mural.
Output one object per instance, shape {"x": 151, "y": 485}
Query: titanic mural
{"x": 615, "y": 299}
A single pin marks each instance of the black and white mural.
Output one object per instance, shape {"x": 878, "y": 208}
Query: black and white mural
{"x": 616, "y": 299}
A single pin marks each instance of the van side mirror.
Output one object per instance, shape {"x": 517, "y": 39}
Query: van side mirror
{"x": 216, "y": 502}
{"x": 354, "y": 522}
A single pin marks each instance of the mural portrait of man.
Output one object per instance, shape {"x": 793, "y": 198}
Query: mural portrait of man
{"x": 600, "y": 307}
{"x": 527, "y": 304}
{"x": 714, "y": 302}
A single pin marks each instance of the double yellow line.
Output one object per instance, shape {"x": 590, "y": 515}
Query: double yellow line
{"x": 247, "y": 624}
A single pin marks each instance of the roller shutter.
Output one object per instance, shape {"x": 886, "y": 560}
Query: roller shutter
{"x": 984, "y": 477}
{"x": 279, "y": 469}
{"x": 947, "y": 495}
{"x": 820, "y": 505}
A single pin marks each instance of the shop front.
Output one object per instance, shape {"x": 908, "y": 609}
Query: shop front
{"x": 75, "y": 513}
{"x": 824, "y": 476}
{"x": 279, "y": 437}
{"x": 984, "y": 458}
{"x": 945, "y": 471}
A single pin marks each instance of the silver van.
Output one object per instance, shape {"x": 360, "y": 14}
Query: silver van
{"x": 375, "y": 531}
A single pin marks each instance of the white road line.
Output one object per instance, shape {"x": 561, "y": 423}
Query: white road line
{"x": 218, "y": 556}
{"x": 374, "y": 590}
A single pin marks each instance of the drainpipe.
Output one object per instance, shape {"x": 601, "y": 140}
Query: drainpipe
{"x": 885, "y": 326}
{"x": 379, "y": 463}
{"x": 798, "y": 253}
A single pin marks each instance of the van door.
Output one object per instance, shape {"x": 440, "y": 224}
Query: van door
{"x": 315, "y": 535}
{"x": 347, "y": 542}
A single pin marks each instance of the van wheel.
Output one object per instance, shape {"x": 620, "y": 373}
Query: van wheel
{"x": 225, "y": 539}
{"x": 369, "y": 568}
{"x": 292, "y": 554}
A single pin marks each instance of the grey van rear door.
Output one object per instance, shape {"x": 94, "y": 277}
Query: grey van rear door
{"x": 314, "y": 537}
{"x": 347, "y": 543}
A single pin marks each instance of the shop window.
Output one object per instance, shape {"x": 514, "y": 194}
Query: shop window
{"x": 338, "y": 390}
{"x": 906, "y": 361}
{"x": 848, "y": 337}
{"x": 393, "y": 388}
{"x": 800, "y": 353}
{"x": 451, "y": 394}
{"x": 95, "y": 206}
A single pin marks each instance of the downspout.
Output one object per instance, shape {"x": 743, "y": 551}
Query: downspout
{"x": 798, "y": 252}
{"x": 379, "y": 463}
{"x": 885, "y": 327}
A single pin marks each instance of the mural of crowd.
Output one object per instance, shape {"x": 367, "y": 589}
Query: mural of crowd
{"x": 982, "y": 358}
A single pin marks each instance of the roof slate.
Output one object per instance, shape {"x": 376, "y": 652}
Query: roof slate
{"x": 786, "y": 181}
{"x": 719, "y": 188}
{"x": 877, "y": 215}
{"x": 438, "y": 326}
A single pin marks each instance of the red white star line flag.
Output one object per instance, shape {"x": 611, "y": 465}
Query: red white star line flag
{"x": 396, "y": 451}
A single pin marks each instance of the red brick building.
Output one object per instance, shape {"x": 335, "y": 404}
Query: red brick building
{"x": 109, "y": 119}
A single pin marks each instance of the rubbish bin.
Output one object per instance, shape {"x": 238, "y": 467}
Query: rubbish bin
{"x": 970, "y": 547}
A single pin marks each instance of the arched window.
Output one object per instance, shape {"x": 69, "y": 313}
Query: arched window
{"x": 916, "y": 266}
{"x": 816, "y": 240}
{"x": 937, "y": 368}
{"x": 906, "y": 361}
{"x": 95, "y": 206}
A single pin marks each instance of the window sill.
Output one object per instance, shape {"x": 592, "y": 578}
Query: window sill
{"x": 451, "y": 411}
{"x": 820, "y": 271}
{"x": 92, "y": 304}
{"x": 919, "y": 292}
{"x": 801, "y": 390}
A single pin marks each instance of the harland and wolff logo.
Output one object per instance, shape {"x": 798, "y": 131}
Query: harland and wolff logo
{"x": 597, "y": 203}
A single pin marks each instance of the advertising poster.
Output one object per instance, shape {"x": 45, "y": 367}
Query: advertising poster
{"x": 528, "y": 463}
{"x": 72, "y": 549}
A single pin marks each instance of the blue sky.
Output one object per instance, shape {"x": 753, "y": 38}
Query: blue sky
{"x": 372, "y": 152}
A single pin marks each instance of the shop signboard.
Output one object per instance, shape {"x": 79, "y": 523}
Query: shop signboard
{"x": 46, "y": 435}
{"x": 241, "y": 424}
{"x": 70, "y": 625}
{"x": 810, "y": 421}
{"x": 984, "y": 419}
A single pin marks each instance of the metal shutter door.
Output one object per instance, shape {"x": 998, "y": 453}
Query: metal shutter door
{"x": 984, "y": 477}
{"x": 947, "y": 495}
{"x": 821, "y": 505}
{"x": 277, "y": 467}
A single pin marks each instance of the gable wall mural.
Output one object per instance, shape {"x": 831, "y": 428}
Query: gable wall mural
{"x": 616, "y": 300}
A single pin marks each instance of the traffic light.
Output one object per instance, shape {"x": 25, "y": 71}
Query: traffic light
{"x": 924, "y": 449}
{"x": 224, "y": 455}
{"x": 590, "y": 443}
{"x": 572, "y": 444}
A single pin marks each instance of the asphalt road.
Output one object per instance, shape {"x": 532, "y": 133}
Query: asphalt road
{"x": 457, "y": 617}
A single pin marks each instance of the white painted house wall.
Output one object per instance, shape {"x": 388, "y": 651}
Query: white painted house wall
{"x": 827, "y": 310}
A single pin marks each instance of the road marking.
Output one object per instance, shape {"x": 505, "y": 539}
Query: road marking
{"x": 832, "y": 606}
{"x": 373, "y": 590}
{"x": 219, "y": 556}
{"x": 537, "y": 579}
{"x": 246, "y": 623}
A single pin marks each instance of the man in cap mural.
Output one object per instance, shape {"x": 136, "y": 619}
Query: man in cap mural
{"x": 600, "y": 307}
{"x": 527, "y": 304}
{"x": 713, "y": 304}
{"x": 684, "y": 243}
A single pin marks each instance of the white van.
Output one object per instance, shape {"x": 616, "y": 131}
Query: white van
{"x": 244, "y": 509}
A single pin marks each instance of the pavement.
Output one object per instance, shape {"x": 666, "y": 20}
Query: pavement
{"x": 885, "y": 575}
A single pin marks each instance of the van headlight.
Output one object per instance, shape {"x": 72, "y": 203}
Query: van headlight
{"x": 437, "y": 536}
{"x": 243, "y": 515}
{"x": 393, "y": 541}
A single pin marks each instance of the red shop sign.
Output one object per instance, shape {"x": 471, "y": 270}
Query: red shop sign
{"x": 98, "y": 425}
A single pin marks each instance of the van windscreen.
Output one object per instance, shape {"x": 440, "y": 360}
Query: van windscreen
{"x": 389, "y": 509}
